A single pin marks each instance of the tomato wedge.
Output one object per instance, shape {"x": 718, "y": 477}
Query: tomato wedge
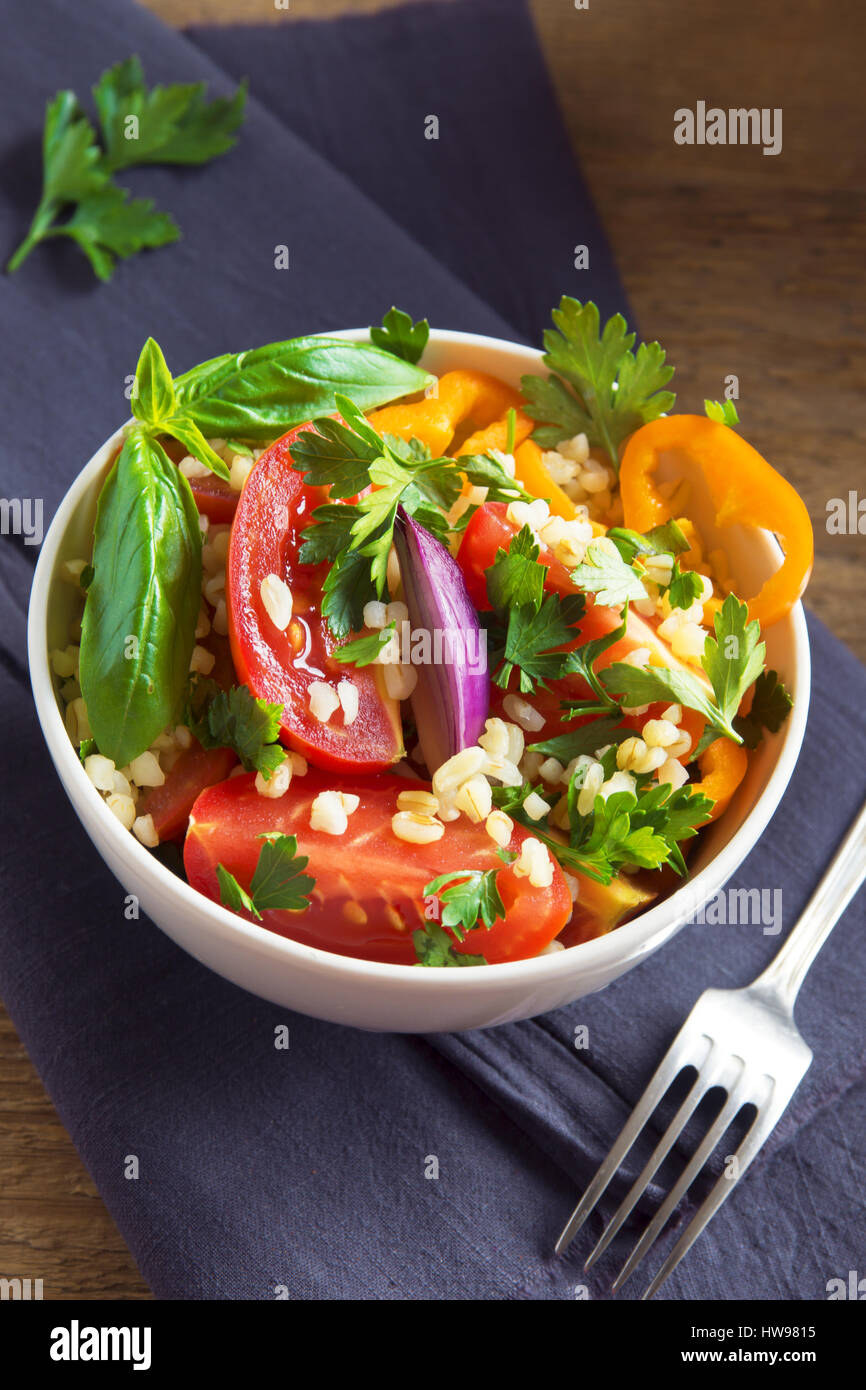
{"x": 369, "y": 893}
{"x": 280, "y": 666}
{"x": 170, "y": 804}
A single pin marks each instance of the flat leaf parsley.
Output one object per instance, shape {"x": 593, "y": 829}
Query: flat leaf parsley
{"x": 598, "y": 386}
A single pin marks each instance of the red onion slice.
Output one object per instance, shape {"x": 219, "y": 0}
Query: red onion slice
{"x": 452, "y": 697}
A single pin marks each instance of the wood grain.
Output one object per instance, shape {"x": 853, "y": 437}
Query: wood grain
{"x": 738, "y": 263}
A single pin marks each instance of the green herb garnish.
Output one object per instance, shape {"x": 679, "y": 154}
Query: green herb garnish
{"x": 160, "y": 125}
{"x": 771, "y": 705}
{"x": 732, "y": 660}
{"x": 356, "y": 537}
{"x": 278, "y": 884}
{"x": 236, "y": 719}
{"x": 400, "y": 336}
{"x": 598, "y": 386}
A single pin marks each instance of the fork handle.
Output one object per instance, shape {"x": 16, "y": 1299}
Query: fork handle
{"x": 786, "y": 972}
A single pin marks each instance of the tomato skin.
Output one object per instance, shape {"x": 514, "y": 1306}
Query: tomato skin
{"x": 367, "y": 868}
{"x": 274, "y": 509}
{"x": 215, "y": 498}
{"x": 170, "y": 804}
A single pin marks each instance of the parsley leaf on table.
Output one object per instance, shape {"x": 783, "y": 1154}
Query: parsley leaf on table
{"x": 400, "y": 336}
{"x": 236, "y": 719}
{"x": 162, "y": 125}
{"x": 140, "y": 126}
{"x": 771, "y": 706}
{"x": 278, "y": 883}
{"x": 598, "y": 386}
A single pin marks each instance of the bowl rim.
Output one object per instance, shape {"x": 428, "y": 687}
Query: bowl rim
{"x": 627, "y": 943}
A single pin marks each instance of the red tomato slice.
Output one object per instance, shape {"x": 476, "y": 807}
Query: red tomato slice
{"x": 369, "y": 893}
{"x": 170, "y": 804}
{"x": 274, "y": 509}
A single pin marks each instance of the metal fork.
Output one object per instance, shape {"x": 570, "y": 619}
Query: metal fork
{"x": 744, "y": 1041}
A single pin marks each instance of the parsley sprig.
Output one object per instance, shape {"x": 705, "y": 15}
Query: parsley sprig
{"x": 685, "y": 585}
{"x": 349, "y": 456}
{"x": 527, "y": 627}
{"x": 236, "y": 719}
{"x": 644, "y": 827}
{"x": 732, "y": 661}
{"x": 140, "y": 125}
{"x": 468, "y": 897}
{"x": 401, "y": 336}
{"x": 598, "y": 386}
{"x": 278, "y": 884}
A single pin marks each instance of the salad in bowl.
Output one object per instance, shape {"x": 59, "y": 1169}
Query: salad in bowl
{"x": 428, "y": 669}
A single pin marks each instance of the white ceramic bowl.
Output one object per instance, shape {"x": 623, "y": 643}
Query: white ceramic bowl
{"x": 391, "y": 997}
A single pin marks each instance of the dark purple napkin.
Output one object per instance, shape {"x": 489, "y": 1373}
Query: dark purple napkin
{"x": 304, "y": 1170}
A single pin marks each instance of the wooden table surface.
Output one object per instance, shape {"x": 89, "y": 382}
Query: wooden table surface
{"x": 737, "y": 263}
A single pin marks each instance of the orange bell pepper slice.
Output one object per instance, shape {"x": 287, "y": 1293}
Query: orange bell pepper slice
{"x": 461, "y": 396}
{"x": 745, "y": 489}
{"x": 495, "y": 435}
{"x": 722, "y": 768}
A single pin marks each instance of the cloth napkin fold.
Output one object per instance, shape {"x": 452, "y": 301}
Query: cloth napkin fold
{"x": 308, "y": 1169}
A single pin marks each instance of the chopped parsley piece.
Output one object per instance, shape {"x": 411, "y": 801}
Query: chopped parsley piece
{"x": 598, "y": 386}
{"x": 668, "y": 539}
{"x": 531, "y": 639}
{"x": 236, "y": 719}
{"x": 725, "y": 412}
{"x": 278, "y": 883}
{"x": 606, "y": 574}
{"x": 685, "y": 587}
{"x": 365, "y": 650}
{"x": 433, "y": 946}
{"x": 400, "y": 336}
{"x": 583, "y": 741}
{"x": 771, "y": 705}
{"x": 470, "y": 896}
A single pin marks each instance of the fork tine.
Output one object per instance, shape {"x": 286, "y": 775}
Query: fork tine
{"x": 698, "y": 1089}
{"x": 737, "y": 1098}
{"x": 752, "y": 1140}
{"x": 673, "y": 1062}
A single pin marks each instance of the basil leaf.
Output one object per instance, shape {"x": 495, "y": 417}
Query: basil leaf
{"x": 263, "y": 392}
{"x": 138, "y": 629}
{"x": 180, "y": 427}
{"x": 153, "y": 398}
